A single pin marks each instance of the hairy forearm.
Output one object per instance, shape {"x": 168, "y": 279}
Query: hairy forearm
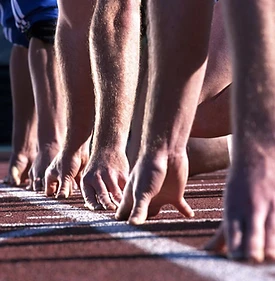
{"x": 115, "y": 59}
{"x": 24, "y": 135}
{"x": 177, "y": 62}
{"x": 74, "y": 65}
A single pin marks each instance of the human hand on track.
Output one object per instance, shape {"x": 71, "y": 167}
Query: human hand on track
{"x": 248, "y": 229}
{"x": 155, "y": 181}
{"x": 64, "y": 173}
{"x": 39, "y": 166}
{"x": 19, "y": 167}
{"x": 104, "y": 179}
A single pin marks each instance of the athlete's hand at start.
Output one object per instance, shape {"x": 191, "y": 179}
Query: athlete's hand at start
{"x": 154, "y": 182}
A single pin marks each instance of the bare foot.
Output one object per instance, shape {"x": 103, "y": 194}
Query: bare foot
{"x": 64, "y": 173}
{"x": 104, "y": 179}
{"x": 156, "y": 180}
{"x": 249, "y": 219}
{"x": 19, "y": 166}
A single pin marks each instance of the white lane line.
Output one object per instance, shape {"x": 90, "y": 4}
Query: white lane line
{"x": 200, "y": 262}
{"x": 110, "y": 222}
{"x": 205, "y": 184}
{"x": 45, "y": 217}
{"x": 195, "y": 210}
{"x": 159, "y": 221}
{"x": 203, "y": 190}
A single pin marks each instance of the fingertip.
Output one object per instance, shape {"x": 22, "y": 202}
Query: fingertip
{"x": 29, "y": 187}
{"x": 191, "y": 214}
{"x": 136, "y": 220}
{"x": 256, "y": 256}
{"x": 50, "y": 188}
{"x": 110, "y": 207}
{"x": 138, "y": 215}
{"x": 93, "y": 207}
{"x": 16, "y": 181}
{"x": 118, "y": 217}
{"x": 185, "y": 209}
{"x": 63, "y": 194}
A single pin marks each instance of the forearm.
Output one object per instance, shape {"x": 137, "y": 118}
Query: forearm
{"x": 115, "y": 59}
{"x": 49, "y": 100}
{"x": 74, "y": 66}
{"x": 24, "y": 135}
{"x": 176, "y": 71}
{"x": 254, "y": 73}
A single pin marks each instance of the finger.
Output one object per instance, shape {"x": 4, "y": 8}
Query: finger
{"x": 122, "y": 180}
{"x": 114, "y": 189}
{"x": 254, "y": 238}
{"x": 30, "y": 185}
{"x": 217, "y": 242}
{"x": 139, "y": 212}
{"x": 103, "y": 194}
{"x": 89, "y": 196}
{"x": 124, "y": 209}
{"x": 115, "y": 198}
{"x": 51, "y": 183}
{"x": 14, "y": 176}
{"x": 234, "y": 236}
{"x": 65, "y": 188}
{"x": 185, "y": 208}
{"x": 75, "y": 185}
{"x": 270, "y": 237}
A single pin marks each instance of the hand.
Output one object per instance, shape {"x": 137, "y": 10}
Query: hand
{"x": 39, "y": 166}
{"x": 64, "y": 173}
{"x": 155, "y": 181}
{"x": 248, "y": 230}
{"x": 104, "y": 179}
{"x": 19, "y": 167}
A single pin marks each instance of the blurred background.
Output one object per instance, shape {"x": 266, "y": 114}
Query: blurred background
{"x": 5, "y": 94}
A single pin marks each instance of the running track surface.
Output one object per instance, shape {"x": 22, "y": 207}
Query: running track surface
{"x": 46, "y": 239}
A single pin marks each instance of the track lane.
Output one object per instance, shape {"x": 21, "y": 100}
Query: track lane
{"x": 169, "y": 240}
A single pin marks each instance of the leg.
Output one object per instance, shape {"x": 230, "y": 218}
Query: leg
{"x": 24, "y": 137}
{"x": 74, "y": 65}
{"x": 213, "y": 113}
{"x": 114, "y": 42}
{"x": 249, "y": 219}
{"x": 208, "y": 154}
{"x": 176, "y": 74}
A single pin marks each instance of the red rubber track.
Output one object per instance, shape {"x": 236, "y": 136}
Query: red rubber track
{"x": 41, "y": 242}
